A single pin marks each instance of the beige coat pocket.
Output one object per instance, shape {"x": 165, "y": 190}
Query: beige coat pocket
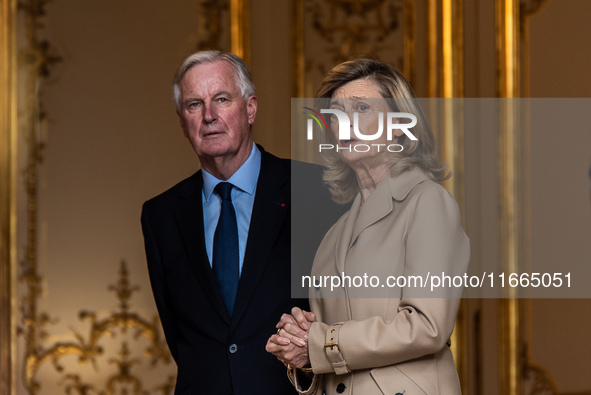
{"x": 392, "y": 381}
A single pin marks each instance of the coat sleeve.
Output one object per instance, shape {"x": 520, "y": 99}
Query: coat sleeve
{"x": 314, "y": 387}
{"x": 421, "y": 325}
{"x": 157, "y": 280}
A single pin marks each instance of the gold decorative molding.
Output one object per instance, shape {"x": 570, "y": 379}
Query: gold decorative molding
{"x": 88, "y": 348}
{"x": 34, "y": 63}
{"x": 328, "y": 32}
{"x": 507, "y": 28}
{"x": 517, "y": 374}
{"x": 507, "y": 40}
{"x": 8, "y": 176}
{"x": 345, "y": 29}
{"x": 445, "y": 76}
{"x": 527, "y": 9}
{"x": 240, "y": 29}
{"x": 452, "y": 136}
{"x": 354, "y": 26}
{"x": 452, "y": 48}
{"x": 511, "y": 355}
{"x": 225, "y": 25}
{"x": 445, "y": 48}
{"x": 432, "y": 49}
{"x": 451, "y": 130}
{"x": 211, "y": 24}
{"x": 409, "y": 59}
{"x": 539, "y": 381}
{"x": 36, "y": 59}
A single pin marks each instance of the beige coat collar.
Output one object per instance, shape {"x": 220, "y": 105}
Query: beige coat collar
{"x": 377, "y": 206}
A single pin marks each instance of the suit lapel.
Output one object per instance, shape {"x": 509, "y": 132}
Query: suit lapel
{"x": 189, "y": 217}
{"x": 270, "y": 209}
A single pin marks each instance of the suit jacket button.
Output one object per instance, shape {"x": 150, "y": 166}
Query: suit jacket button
{"x": 233, "y": 348}
{"x": 341, "y": 388}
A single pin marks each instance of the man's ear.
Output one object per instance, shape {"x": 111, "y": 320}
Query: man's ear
{"x": 251, "y": 109}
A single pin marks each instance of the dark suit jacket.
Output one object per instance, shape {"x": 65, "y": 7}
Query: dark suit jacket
{"x": 216, "y": 353}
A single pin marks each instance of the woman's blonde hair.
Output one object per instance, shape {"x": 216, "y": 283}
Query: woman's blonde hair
{"x": 420, "y": 153}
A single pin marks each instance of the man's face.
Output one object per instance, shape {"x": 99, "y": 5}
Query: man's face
{"x": 213, "y": 115}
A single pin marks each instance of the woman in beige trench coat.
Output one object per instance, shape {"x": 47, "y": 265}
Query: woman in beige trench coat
{"x": 389, "y": 335}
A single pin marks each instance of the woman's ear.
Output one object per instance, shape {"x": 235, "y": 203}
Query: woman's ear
{"x": 396, "y": 133}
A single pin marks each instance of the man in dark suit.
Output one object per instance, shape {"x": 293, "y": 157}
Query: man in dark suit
{"x": 218, "y": 244}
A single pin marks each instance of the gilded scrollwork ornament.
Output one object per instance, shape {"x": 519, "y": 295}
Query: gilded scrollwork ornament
{"x": 538, "y": 381}
{"x": 89, "y": 349}
{"x": 213, "y": 25}
{"x": 354, "y": 26}
{"x": 37, "y": 59}
{"x": 530, "y": 7}
{"x": 328, "y": 32}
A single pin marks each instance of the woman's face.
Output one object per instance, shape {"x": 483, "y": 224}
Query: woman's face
{"x": 361, "y": 96}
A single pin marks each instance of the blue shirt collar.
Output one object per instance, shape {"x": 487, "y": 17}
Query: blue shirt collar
{"x": 245, "y": 178}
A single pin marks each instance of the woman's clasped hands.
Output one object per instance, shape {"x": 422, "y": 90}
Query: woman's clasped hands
{"x": 290, "y": 343}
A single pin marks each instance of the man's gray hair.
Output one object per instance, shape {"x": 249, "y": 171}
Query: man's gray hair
{"x": 244, "y": 78}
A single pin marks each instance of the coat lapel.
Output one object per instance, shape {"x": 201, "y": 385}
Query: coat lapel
{"x": 376, "y": 207}
{"x": 344, "y": 240}
{"x": 401, "y": 185}
{"x": 189, "y": 217}
{"x": 379, "y": 204}
{"x": 270, "y": 210}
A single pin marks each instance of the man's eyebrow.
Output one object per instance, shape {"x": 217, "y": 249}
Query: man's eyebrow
{"x": 197, "y": 98}
{"x": 222, "y": 93}
{"x": 191, "y": 99}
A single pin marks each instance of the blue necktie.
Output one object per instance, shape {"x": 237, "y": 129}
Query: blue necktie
{"x": 225, "y": 248}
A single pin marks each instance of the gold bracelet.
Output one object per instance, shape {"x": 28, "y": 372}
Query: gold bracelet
{"x": 305, "y": 370}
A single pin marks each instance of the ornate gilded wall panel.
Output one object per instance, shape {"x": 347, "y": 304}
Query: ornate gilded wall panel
{"x": 116, "y": 346}
{"x": 213, "y": 25}
{"x": 507, "y": 24}
{"x": 541, "y": 374}
{"x": 328, "y": 32}
{"x": 8, "y": 176}
{"x": 225, "y": 25}
{"x": 36, "y": 58}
